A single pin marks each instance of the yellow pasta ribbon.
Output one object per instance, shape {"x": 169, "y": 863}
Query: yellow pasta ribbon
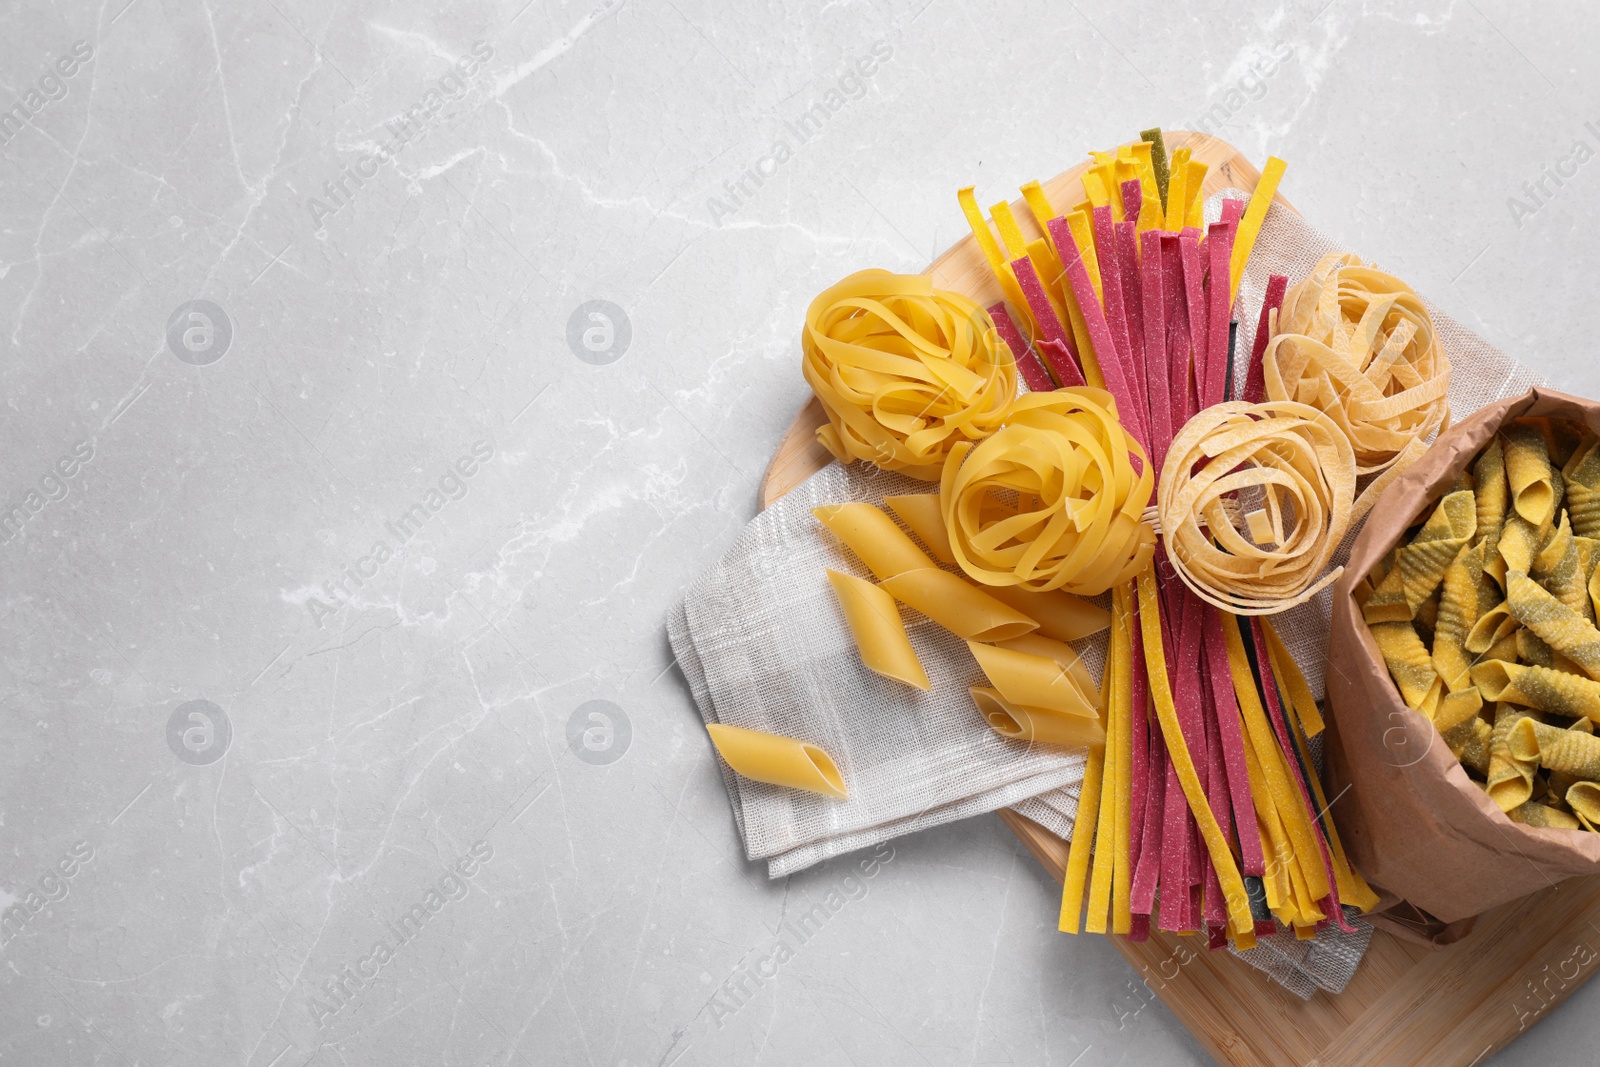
{"x": 1287, "y": 671}
{"x": 775, "y": 760}
{"x": 1255, "y": 213}
{"x": 1052, "y": 500}
{"x": 1072, "y": 884}
{"x": 1278, "y": 777}
{"x": 1196, "y": 181}
{"x": 1177, "y": 205}
{"x": 1111, "y": 833}
{"x": 904, "y": 372}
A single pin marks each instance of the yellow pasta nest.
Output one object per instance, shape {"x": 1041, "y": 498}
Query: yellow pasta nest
{"x": 1359, "y": 345}
{"x": 904, "y": 371}
{"x": 1281, "y": 469}
{"x": 1053, "y": 500}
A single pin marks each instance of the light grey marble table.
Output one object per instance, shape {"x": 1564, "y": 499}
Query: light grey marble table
{"x": 377, "y": 375}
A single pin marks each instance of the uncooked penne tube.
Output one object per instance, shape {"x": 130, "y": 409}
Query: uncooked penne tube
{"x": 1033, "y": 681}
{"x": 1060, "y": 615}
{"x": 775, "y": 760}
{"x": 957, "y": 605}
{"x": 873, "y": 536}
{"x": 1019, "y": 723}
{"x": 920, "y": 511}
{"x": 1035, "y": 645}
{"x": 880, "y": 636}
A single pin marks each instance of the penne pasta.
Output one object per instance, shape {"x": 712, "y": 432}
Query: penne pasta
{"x": 775, "y": 760}
{"x": 879, "y": 634}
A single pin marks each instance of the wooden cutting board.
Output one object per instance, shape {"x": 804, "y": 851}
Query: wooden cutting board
{"x": 1407, "y": 1004}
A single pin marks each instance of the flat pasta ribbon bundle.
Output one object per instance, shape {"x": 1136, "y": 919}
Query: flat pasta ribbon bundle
{"x": 1053, "y": 500}
{"x": 1360, "y": 345}
{"x": 1298, "y": 462}
{"x": 904, "y": 371}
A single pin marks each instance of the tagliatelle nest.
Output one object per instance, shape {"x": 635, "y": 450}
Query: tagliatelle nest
{"x": 1360, "y": 346}
{"x": 1288, "y": 472}
{"x": 1053, "y": 500}
{"x": 904, "y": 371}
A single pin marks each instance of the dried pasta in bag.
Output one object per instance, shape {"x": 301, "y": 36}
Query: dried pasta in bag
{"x": 1538, "y": 687}
{"x": 1510, "y": 779}
{"x": 1510, "y": 622}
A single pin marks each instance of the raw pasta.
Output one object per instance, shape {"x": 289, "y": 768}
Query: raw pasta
{"x": 879, "y": 634}
{"x": 1298, "y": 462}
{"x": 1019, "y": 723}
{"x": 920, "y": 511}
{"x": 904, "y": 371}
{"x": 873, "y": 537}
{"x": 1053, "y": 500}
{"x": 1033, "y": 681}
{"x": 957, "y": 605}
{"x": 1360, "y": 345}
{"x": 775, "y": 760}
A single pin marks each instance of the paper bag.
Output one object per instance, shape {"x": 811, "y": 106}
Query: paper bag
{"x": 1419, "y": 830}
